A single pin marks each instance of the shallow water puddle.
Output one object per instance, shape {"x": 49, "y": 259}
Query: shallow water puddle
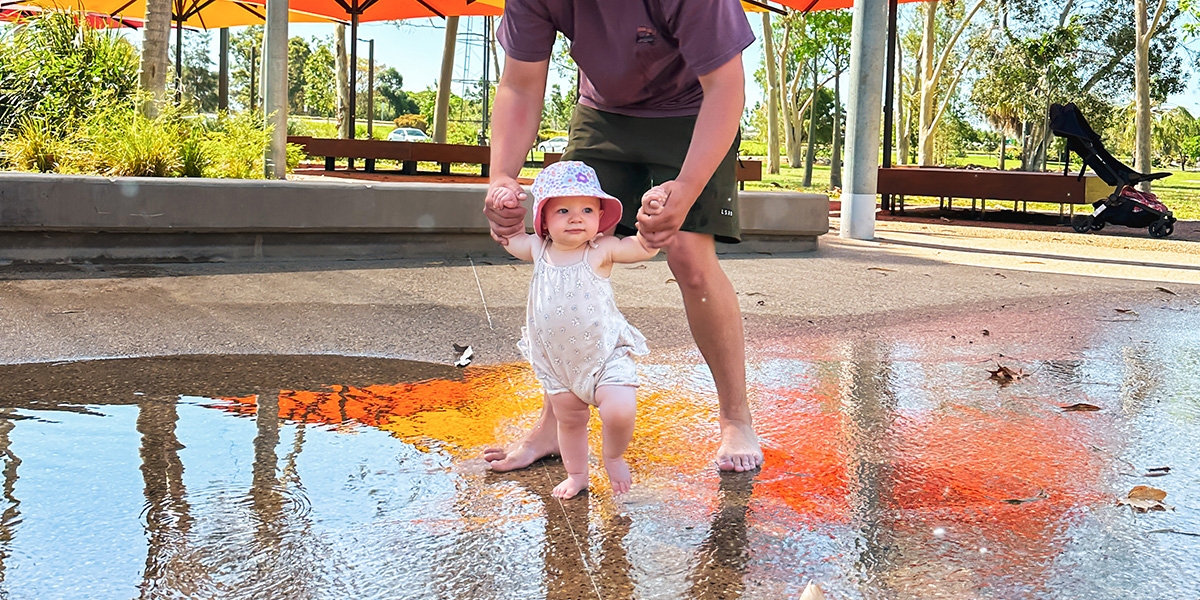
{"x": 895, "y": 469}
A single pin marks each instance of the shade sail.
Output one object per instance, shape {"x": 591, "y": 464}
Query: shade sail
{"x": 16, "y": 13}
{"x": 815, "y": 5}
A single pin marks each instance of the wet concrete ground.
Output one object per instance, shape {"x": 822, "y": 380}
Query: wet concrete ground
{"x": 896, "y": 467}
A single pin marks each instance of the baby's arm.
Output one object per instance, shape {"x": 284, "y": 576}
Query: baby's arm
{"x": 521, "y": 245}
{"x": 634, "y": 248}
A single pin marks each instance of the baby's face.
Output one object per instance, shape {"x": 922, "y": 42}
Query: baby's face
{"x": 572, "y": 220}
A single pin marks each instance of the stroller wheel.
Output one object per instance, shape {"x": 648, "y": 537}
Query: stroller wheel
{"x": 1082, "y": 223}
{"x": 1097, "y": 225}
{"x": 1161, "y": 228}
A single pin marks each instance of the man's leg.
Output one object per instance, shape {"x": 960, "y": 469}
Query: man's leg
{"x": 540, "y": 442}
{"x": 716, "y": 322}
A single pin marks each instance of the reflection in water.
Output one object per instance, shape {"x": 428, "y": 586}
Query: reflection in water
{"x": 11, "y": 506}
{"x": 889, "y": 475}
{"x": 169, "y": 564}
{"x": 723, "y": 555}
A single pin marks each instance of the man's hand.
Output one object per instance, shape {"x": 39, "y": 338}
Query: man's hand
{"x": 503, "y": 208}
{"x": 658, "y": 225}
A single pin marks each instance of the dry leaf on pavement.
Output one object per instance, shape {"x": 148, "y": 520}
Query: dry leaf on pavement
{"x": 1145, "y": 498}
{"x": 1005, "y": 375}
{"x": 1080, "y": 407}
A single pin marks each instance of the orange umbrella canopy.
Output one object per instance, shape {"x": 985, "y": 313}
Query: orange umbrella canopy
{"x": 393, "y": 10}
{"x": 14, "y": 13}
{"x": 199, "y": 14}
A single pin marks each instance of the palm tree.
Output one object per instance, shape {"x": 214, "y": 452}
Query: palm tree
{"x": 156, "y": 35}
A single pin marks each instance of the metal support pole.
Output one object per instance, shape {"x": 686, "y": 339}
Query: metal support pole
{"x": 487, "y": 83}
{"x": 867, "y": 56}
{"x": 223, "y": 72}
{"x": 253, "y": 78}
{"x": 371, "y": 88}
{"x": 178, "y": 61}
{"x": 889, "y": 93}
{"x": 353, "y": 81}
{"x": 274, "y": 78}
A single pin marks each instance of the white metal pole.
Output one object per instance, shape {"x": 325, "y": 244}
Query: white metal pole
{"x": 274, "y": 78}
{"x": 867, "y": 60}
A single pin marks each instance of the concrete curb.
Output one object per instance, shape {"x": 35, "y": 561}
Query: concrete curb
{"x": 76, "y": 218}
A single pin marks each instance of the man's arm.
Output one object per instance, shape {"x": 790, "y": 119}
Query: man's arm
{"x": 716, "y": 128}
{"x": 515, "y": 119}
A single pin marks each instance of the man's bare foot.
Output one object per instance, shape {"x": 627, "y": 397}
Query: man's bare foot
{"x": 570, "y": 486}
{"x": 739, "y": 449}
{"x": 523, "y": 455}
{"x": 618, "y": 475}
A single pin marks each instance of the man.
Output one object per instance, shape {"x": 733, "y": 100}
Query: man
{"x": 661, "y": 96}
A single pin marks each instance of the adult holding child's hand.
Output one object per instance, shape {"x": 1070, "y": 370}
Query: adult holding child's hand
{"x": 661, "y": 93}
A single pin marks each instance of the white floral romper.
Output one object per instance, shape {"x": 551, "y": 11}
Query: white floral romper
{"x": 574, "y": 336}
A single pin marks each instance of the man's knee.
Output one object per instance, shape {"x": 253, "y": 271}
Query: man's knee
{"x": 692, "y": 258}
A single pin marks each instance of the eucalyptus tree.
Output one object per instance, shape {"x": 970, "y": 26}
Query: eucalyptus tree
{"x": 935, "y": 64}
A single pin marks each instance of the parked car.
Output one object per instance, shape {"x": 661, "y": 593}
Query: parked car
{"x": 407, "y": 134}
{"x": 554, "y": 144}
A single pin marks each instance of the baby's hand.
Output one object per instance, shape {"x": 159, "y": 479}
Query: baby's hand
{"x": 654, "y": 200}
{"x": 504, "y": 198}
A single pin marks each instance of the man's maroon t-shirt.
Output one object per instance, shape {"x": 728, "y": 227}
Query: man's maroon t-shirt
{"x": 636, "y": 57}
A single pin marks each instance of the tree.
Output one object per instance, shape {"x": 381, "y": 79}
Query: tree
{"x": 932, "y": 69}
{"x": 389, "y": 84}
{"x": 559, "y": 107}
{"x": 245, "y": 56}
{"x": 298, "y": 53}
{"x": 320, "y": 97}
{"x": 198, "y": 81}
{"x": 154, "y": 64}
{"x": 1146, "y": 29}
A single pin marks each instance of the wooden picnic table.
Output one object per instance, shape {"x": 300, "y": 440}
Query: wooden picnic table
{"x": 981, "y": 185}
{"x": 407, "y": 153}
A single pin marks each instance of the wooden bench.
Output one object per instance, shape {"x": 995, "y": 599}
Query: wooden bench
{"x": 747, "y": 169}
{"x": 408, "y": 153}
{"x": 981, "y": 185}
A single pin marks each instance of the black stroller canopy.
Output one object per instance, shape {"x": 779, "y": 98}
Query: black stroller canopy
{"x": 1067, "y": 122}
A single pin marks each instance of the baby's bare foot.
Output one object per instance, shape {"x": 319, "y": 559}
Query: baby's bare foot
{"x": 570, "y": 486}
{"x": 618, "y": 475}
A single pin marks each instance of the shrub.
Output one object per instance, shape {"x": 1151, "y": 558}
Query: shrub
{"x": 237, "y": 144}
{"x": 416, "y": 121}
{"x": 33, "y": 147}
{"x": 61, "y": 70}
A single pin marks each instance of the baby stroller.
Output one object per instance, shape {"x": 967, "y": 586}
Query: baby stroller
{"x": 1126, "y": 205}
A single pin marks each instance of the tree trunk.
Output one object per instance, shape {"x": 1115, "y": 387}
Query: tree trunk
{"x": 441, "y": 111}
{"x": 811, "y": 154}
{"x": 1003, "y": 147}
{"x": 928, "y": 84}
{"x": 156, "y": 34}
{"x": 835, "y": 151}
{"x": 772, "y": 97}
{"x": 1141, "y": 158}
{"x": 343, "y": 80}
{"x": 901, "y": 123}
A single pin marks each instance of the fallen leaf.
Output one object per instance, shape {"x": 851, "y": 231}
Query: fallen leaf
{"x": 755, "y": 294}
{"x": 1145, "y": 498}
{"x": 1041, "y": 495}
{"x": 812, "y": 592}
{"x": 671, "y": 280}
{"x": 1080, "y": 407}
{"x": 1163, "y": 289}
{"x": 1000, "y": 275}
{"x": 1126, "y": 311}
{"x": 881, "y": 269}
{"x": 1005, "y": 375}
{"x": 761, "y": 303}
{"x": 465, "y": 358}
{"x": 1159, "y": 469}
{"x": 1173, "y": 531}
{"x": 637, "y": 267}
{"x": 986, "y": 332}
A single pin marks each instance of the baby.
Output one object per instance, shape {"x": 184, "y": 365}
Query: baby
{"x": 578, "y": 342}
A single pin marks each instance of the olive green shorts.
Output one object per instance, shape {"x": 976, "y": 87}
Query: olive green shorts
{"x": 632, "y": 154}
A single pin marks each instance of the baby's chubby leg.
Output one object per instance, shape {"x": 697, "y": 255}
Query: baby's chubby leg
{"x": 572, "y": 415}
{"x": 618, "y": 409}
